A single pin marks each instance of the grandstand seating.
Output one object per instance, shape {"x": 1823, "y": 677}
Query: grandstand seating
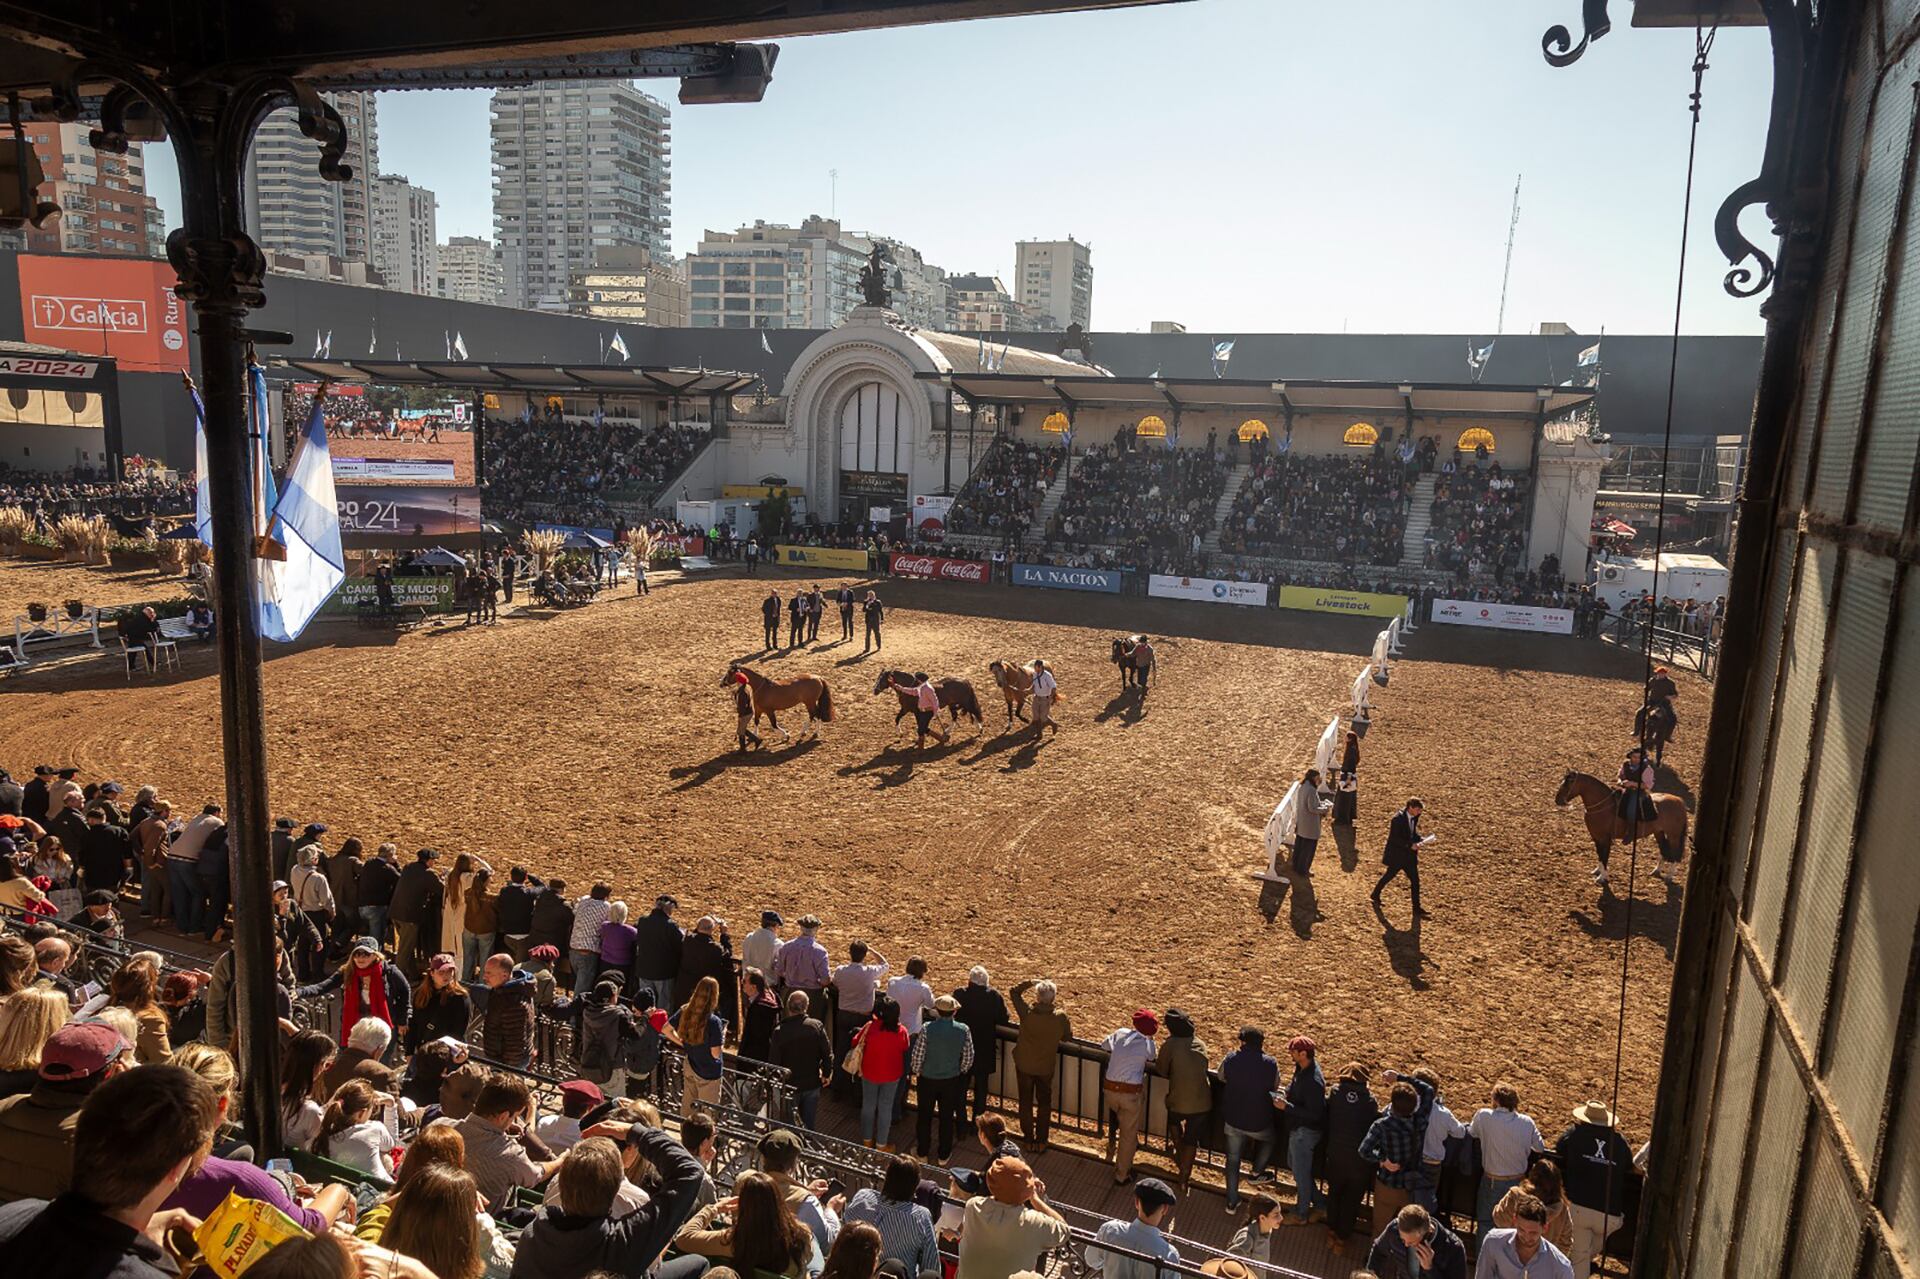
{"x": 582, "y": 472}
{"x": 1004, "y": 493}
{"x": 1478, "y": 523}
{"x": 1151, "y": 506}
{"x": 1344, "y": 509}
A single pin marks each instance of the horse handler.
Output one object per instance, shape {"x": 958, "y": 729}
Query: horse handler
{"x": 1045, "y": 691}
{"x": 927, "y": 711}
{"x": 743, "y": 708}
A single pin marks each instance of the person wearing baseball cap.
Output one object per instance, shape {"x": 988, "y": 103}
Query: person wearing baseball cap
{"x": 1153, "y": 1201}
{"x": 37, "y": 1127}
{"x": 442, "y": 1008}
{"x": 758, "y": 948}
{"x": 1130, "y": 1054}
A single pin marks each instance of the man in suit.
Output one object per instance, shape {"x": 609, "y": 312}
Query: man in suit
{"x": 844, "y": 597}
{"x": 1403, "y": 854}
{"x": 797, "y": 618}
{"x": 770, "y": 619}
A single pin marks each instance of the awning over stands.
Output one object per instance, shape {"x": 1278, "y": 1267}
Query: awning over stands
{"x": 531, "y": 379}
{"x": 1361, "y": 399}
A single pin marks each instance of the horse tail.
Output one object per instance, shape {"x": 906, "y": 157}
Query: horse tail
{"x": 970, "y": 703}
{"x": 823, "y": 709}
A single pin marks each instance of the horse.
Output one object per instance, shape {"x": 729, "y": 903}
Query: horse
{"x": 1604, "y": 823}
{"x": 1132, "y": 676}
{"x": 1654, "y": 723}
{"x": 957, "y": 697}
{"x": 770, "y": 696}
{"x": 1016, "y": 685}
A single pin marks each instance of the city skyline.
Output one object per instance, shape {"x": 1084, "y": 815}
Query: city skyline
{"x": 1294, "y": 196}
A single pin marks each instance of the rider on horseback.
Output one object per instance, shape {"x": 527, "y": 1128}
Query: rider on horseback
{"x": 1660, "y": 687}
{"x": 1635, "y": 787}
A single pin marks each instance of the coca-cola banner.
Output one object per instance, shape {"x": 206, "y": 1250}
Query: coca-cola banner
{"x": 935, "y": 568}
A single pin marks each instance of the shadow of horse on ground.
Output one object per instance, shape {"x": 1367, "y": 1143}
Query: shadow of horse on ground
{"x": 692, "y": 775}
{"x": 1657, "y": 921}
{"x": 1665, "y": 779}
{"x": 895, "y": 764}
{"x": 1403, "y": 949}
{"x": 1128, "y": 706}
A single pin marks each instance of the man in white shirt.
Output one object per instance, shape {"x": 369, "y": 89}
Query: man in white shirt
{"x": 1522, "y": 1252}
{"x": 854, "y": 984}
{"x": 1130, "y": 1054}
{"x": 1441, "y": 1125}
{"x": 1506, "y": 1139}
{"x": 1045, "y": 689}
{"x": 915, "y": 998}
{"x": 762, "y": 944}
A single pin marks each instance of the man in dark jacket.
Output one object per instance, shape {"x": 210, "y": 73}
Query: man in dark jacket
{"x": 578, "y": 1236}
{"x": 280, "y": 844}
{"x": 1597, "y": 1164}
{"x": 1351, "y": 1110}
{"x": 104, "y": 852}
{"x": 1306, "y": 1109}
{"x": 378, "y": 878}
{"x": 343, "y": 876}
{"x": 552, "y": 917}
{"x": 1402, "y": 854}
{"x": 704, "y": 955}
{"x": 415, "y": 911}
{"x": 506, "y": 1028}
{"x": 35, "y": 798}
{"x": 982, "y": 1012}
{"x": 656, "y": 951}
{"x": 516, "y": 913}
{"x": 1412, "y": 1237}
{"x": 70, "y": 824}
{"x": 801, "y": 1045}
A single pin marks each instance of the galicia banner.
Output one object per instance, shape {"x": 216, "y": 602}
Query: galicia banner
{"x": 1105, "y": 580}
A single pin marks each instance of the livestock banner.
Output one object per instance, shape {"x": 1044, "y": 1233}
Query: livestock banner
{"x": 1105, "y": 580}
{"x": 934, "y": 568}
{"x": 821, "y": 557}
{"x": 1312, "y": 599}
{"x": 1207, "y": 589}
{"x": 1504, "y": 617}
{"x": 435, "y": 594}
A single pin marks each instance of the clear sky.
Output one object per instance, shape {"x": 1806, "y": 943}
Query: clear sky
{"x": 1237, "y": 165}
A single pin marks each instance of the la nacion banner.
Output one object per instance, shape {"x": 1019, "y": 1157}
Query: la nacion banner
{"x": 1208, "y": 590}
{"x": 821, "y": 557}
{"x": 935, "y": 568}
{"x": 435, "y": 594}
{"x": 1104, "y": 580}
{"x": 1504, "y": 617}
{"x": 1312, "y": 599}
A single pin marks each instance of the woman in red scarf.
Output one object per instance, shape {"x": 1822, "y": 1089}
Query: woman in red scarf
{"x": 369, "y": 986}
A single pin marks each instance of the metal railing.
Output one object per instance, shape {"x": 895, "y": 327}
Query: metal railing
{"x": 1699, "y": 653}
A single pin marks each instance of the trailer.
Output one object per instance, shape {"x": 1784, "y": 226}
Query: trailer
{"x": 1681, "y": 576}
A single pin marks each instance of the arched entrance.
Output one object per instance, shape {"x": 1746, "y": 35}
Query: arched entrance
{"x": 875, "y": 424}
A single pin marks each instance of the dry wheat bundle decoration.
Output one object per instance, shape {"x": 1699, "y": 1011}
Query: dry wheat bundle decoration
{"x": 545, "y": 544}
{"x": 642, "y": 544}
{"x": 83, "y": 539}
{"x": 15, "y": 524}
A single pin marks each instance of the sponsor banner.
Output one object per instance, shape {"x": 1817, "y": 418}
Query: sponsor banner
{"x": 944, "y": 570}
{"x": 930, "y": 515}
{"x": 46, "y": 366}
{"x": 879, "y": 514}
{"x": 336, "y": 388}
{"x": 408, "y": 512}
{"x": 760, "y": 490}
{"x": 604, "y": 534}
{"x": 1207, "y": 589}
{"x": 887, "y": 484}
{"x": 401, "y": 470}
{"x": 821, "y": 557}
{"x": 1353, "y": 603}
{"x": 119, "y": 307}
{"x": 1105, "y": 580}
{"x": 1504, "y": 617}
{"x": 434, "y": 594}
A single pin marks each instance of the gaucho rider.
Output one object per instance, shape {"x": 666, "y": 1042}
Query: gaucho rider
{"x": 1636, "y": 787}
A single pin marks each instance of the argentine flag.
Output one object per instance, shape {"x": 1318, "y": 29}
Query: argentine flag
{"x": 306, "y": 522}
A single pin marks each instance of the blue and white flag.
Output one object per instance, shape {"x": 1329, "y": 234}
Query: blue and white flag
{"x": 305, "y": 522}
{"x": 618, "y": 346}
{"x": 328, "y": 351}
{"x": 373, "y": 338}
{"x": 1590, "y": 358}
{"x": 1477, "y": 357}
{"x": 446, "y": 339}
{"x": 980, "y": 353}
{"x": 319, "y": 343}
{"x": 459, "y": 346}
{"x": 1222, "y": 352}
{"x": 202, "y": 488}
{"x": 764, "y": 344}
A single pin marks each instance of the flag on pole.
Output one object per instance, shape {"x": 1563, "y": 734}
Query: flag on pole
{"x": 446, "y": 339}
{"x": 980, "y": 353}
{"x": 373, "y": 338}
{"x": 305, "y": 524}
{"x": 1222, "y": 352}
{"x": 764, "y": 344}
{"x": 329, "y": 347}
{"x": 202, "y": 489}
{"x": 1477, "y": 358}
{"x": 459, "y": 345}
{"x": 618, "y": 346}
{"x": 319, "y": 343}
{"x": 1590, "y": 357}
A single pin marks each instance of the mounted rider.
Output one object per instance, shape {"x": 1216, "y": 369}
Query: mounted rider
{"x": 1660, "y": 687}
{"x": 1635, "y": 787}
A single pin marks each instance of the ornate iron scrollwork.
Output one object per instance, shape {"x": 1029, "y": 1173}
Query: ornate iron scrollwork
{"x": 1557, "y": 44}
{"x": 1789, "y": 24}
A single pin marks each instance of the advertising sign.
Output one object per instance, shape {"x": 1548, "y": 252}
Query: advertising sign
{"x": 43, "y": 366}
{"x": 936, "y": 569}
{"x": 1504, "y": 617}
{"x": 408, "y": 512}
{"x": 402, "y": 470}
{"x": 930, "y": 515}
{"x": 874, "y": 484}
{"x": 1206, "y": 589}
{"x": 879, "y": 514}
{"x": 760, "y": 490}
{"x": 120, "y": 307}
{"x": 1312, "y": 599}
{"x": 1105, "y": 580}
{"x": 821, "y": 557}
{"x": 434, "y": 594}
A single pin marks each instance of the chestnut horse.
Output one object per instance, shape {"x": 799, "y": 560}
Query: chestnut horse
{"x": 957, "y": 697}
{"x": 770, "y": 696}
{"x": 1016, "y": 685}
{"x": 1604, "y": 823}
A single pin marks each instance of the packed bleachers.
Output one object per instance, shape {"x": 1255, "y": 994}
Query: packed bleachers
{"x": 1004, "y": 494}
{"x": 1478, "y": 523}
{"x": 48, "y": 495}
{"x": 1351, "y": 510}
{"x": 575, "y": 471}
{"x": 1153, "y": 507}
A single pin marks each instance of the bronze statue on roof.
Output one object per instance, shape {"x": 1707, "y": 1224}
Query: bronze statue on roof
{"x": 873, "y": 278}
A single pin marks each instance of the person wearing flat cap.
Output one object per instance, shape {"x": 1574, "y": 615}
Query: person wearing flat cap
{"x": 1153, "y": 1201}
{"x": 1130, "y": 1054}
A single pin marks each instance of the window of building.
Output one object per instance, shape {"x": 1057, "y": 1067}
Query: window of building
{"x": 1360, "y": 435}
{"x": 1475, "y": 437}
{"x": 1152, "y": 427}
{"x": 701, "y": 267}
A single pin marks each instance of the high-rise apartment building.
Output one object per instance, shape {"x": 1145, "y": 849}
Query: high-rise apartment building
{"x": 770, "y": 276}
{"x": 981, "y": 304}
{"x": 405, "y": 244}
{"x": 104, "y": 205}
{"x": 1054, "y": 279}
{"x": 628, "y": 284}
{"x": 577, "y": 166}
{"x": 291, "y": 207}
{"x": 467, "y": 270}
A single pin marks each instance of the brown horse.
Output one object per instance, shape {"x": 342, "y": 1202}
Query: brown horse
{"x": 770, "y": 696}
{"x": 957, "y": 697}
{"x": 1016, "y": 685}
{"x": 1604, "y": 823}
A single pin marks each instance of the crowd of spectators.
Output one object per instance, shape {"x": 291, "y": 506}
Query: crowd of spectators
{"x": 1478, "y": 523}
{"x": 577, "y": 471}
{"x": 436, "y": 1153}
{"x": 83, "y": 490}
{"x": 1152, "y": 506}
{"x": 1349, "y": 509}
{"x": 1003, "y": 496}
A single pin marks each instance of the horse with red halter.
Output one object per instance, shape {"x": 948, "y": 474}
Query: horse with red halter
{"x": 772, "y": 696}
{"x": 1668, "y": 826}
{"x": 957, "y": 697}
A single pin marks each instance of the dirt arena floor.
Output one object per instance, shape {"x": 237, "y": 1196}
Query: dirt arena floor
{"x": 45, "y": 581}
{"x": 1115, "y": 857}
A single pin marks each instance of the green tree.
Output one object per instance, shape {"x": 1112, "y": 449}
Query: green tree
{"x": 775, "y": 511}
